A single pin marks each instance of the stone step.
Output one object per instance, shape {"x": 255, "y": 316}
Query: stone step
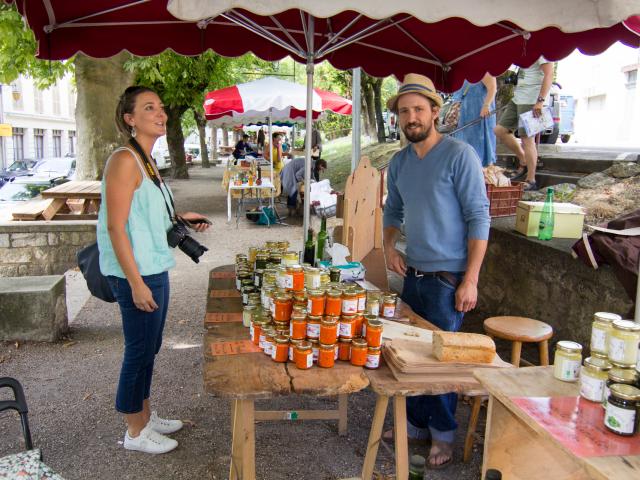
{"x": 548, "y": 178}
{"x": 562, "y": 164}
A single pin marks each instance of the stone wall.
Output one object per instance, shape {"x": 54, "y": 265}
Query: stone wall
{"x": 42, "y": 248}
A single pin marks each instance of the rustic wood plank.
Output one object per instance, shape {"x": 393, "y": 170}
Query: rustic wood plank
{"x": 75, "y": 216}
{"x": 400, "y": 436}
{"x": 56, "y": 207}
{"x": 31, "y": 210}
{"x": 75, "y": 189}
{"x": 276, "y": 415}
{"x": 375, "y": 434}
{"x": 235, "y": 468}
{"x": 342, "y": 378}
{"x": 224, "y": 305}
{"x": 248, "y": 440}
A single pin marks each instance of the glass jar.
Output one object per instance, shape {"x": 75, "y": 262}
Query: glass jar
{"x": 624, "y": 376}
{"x": 243, "y": 275}
{"x": 593, "y": 378}
{"x": 347, "y": 326}
{"x": 621, "y": 416}
{"x": 275, "y": 257}
{"x": 315, "y": 302}
{"x": 349, "y": 302}
{"x": 296, "y": 274}
{"x": 246, "y": 290}
{"x": 300, "y": 298}
{"x": 299, "y": 309}
{"x": 247, "y": 315}
{"x": 283, "y": 306}
{"x": 254, "y": 299}
{"x": 269, "y": 342}
{"x": 600, "y": 329}
{"x": 374, "y": 333}
{"x": 327, "y": 355}
{"x": 388, "y": 306}
{"x": 357, "y": 327}
{"x": 261, "y": 261}
{"x": 334, "y": 274}
{"x": 361, "y": 295}
{"x": 312, "y": 278}
{"x": 253, "y": 252}
{"x": 373, "y": 302}
{"x": 328, "y": 331}
{"x": 373, "y": 358}
{"x": 303, "y": 355}
{"x": 324, "y": 278}
{"x": 359, "y": 352}
{"x": 365, "y": 322}
{"x": 241, "y": 258}
{"x": 623, "y": 343}
{"x": 292, "y": 348}
{"x": 265, "y": 297}
{"x": 290, "y": 258}
{"x": 269, "y": 277}
{"x": 280, "y": 351}
{"x": 257, "y": 277}
{"x": 344, "y": 349}
{"x": 282, "y": 278}
{"x": 313, "y": 327}
{"x": 281, "y": 327}
{"x": 315, "y": 349}
{"x": 282, "y": 245}
{"x": 255, "y": 331}
{"x": 298, "y": 326}
{"x": 567, "y": 361}
{"x": 333, "y": 305}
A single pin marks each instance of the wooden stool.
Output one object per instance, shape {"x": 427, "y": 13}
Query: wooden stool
{"x": 521, "y": 330}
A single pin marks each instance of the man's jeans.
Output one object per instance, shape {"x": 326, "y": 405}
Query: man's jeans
{"x": 142, "y": 339}
{"x": 433, "y": 298}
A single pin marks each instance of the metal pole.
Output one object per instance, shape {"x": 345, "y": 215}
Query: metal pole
{"x": 309, "y": 126}
{"x": 637, "y": 315}
{"x": 355, "y": 119}
{"x": 3, "y": 157}
{"x": 270, "y": 143}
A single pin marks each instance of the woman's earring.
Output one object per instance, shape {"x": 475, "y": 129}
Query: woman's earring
{"x": 133, "y": 132}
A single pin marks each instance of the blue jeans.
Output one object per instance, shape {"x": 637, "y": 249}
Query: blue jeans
{"x": 292, "y": 200}
{"x": 142, "y": 340}
{"x": 433, "y": 298}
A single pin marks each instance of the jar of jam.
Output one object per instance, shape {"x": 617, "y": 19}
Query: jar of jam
{"x": 315, "y": 302}
{"x": 623, "y": 343}
{"x": 333, "y": 305}
{"x": 361, "y": 295}
{"x": 283, "y": 306}
{"x": 255, "y": 331}
{"x": 359, "y": 352}
{"x": 324, "y": 278}
{"x": 295, "y": 278}
{"x": 247, "y": 315}
{"x": 600, "y": 329}
{"x": 303, "y": 356}
{"x": 334, "y": 274}
{"x": 290, "y": 258}
{"x": 567, "y": 361}
{"x": 313, "y": 327}
{"x": 373, "y": 358}
{"x": 300, "y": 298}
{"x": 299, "y": 309}
{"x": 315, "y": 349}
{"x": 254, "y": 299}
{"x": 265, "y": 296}
{"x": 374, "y": 333}
{"x": 246, "y": 290}
{"x": 243, "y": 275}
{"x": 344, "y": 349}
{"x": 621, "y": 416}
{"x": 298, "y": 326}
{"x": 388, "y": 306}
{"x": 347, "y": 326}
{"x": 261, "y": 260}
{"x": 280, "y": 351}
{"x": 257, "y": 277}
{"x": 327, "y": 355}
{"x": 241, "y": 258}
{"x": 269, "y": 277}
{"x": 275, "y": 257}
{"x": 282, "y": 245}
{"x": 292, "y": 348}
{"x": 269, "y": 342}
{"x": 367, "y": 319}
{"x": 328, "y": 331}
{"x": 373, "y": 302}
{"x": 624, "y": 376}
{"x": 593, "y": 377}
{"x": 312, "y": 278}
{"x": 349, "y": 302}
{"x": 357, "y": 328}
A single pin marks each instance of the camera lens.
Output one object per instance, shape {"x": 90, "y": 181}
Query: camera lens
{"x": 192, "y": 248}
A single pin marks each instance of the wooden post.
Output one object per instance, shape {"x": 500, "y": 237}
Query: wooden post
{"x": 400, "y": 436}
{"x": 235, "y": 472}
{"x": 374, "y": 436}
{"x": 248, "y": 440}
{"x": 471, "y": 429}
{"x": 343, "y": 403}
{"x": 516, "y": 348}
{"x": 544, "y": 352}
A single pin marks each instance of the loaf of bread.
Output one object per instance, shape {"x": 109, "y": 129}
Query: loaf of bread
{"x": 463, "y": 347}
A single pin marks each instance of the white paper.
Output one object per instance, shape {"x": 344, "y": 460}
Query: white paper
{"x": 533, "y": 125}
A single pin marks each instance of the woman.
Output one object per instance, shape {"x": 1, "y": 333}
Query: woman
{"x": 293, "y": 173}
{"x": 478, "y": 101}
{"x": 276, "y": 153}
{"x": 134, "y": 255}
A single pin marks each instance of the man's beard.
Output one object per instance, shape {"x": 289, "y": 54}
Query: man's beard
{"x": 416, "y": 136}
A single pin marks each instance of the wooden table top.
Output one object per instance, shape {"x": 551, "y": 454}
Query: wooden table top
{"x": 75, "y": 189}
{"x": 504, "y": 384}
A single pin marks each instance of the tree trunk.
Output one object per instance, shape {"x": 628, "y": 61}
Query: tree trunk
{"x": 214, "y": 144}
{"x": 368, "y": 108}
{"x": 377, "y": 95}
{"x": 202, "y": 133}
{"x": 175, "y": 141}
{"x": 225, "y": 137}
{"x": 100, "y": 82}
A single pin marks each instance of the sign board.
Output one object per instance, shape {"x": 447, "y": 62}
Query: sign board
{"x": 5, "y": 130}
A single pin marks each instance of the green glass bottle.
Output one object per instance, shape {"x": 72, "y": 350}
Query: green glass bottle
{"x": 322, "y": 240}
{"x": 545, "y": 228}
{"x": 309, "y": 249}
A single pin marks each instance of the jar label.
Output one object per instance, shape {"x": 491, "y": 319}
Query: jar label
{"x": 364, "y": 329}
{"x": 605, "y": 395}
{"x": 591, "y": 388}
{"x": 313, "y": 330}
{"x": 314, "y": 281}
{"x": 349, "y": 305}
{"x": 598, "y": 340}
{"x": 251, "y": 331}
{"x": 291, "y": 354}
{"x": 238, "y": 285}
{"x": 389, "y": 311}
{"x": 568, "y": 370}
{"x": 617, "y": 350}
{"x": 310, "y": 360}
{"x": 309, "y": 305}
{"x": 619, "y": 419}
{"x": 272, "y": 307}
{"x": 256, "y": 280}
{"x": 345, "y": 330}
{"x": 268, "y": 348}
{"x": 374, "y": 309}
{"x": 362, "y": 304}
{"x": 335, "y": 353}
{"x": 281, "y": 281}
{"x": 245, "y": 298}
{"x": 316, "y": 352}
{"x": 261, "y": 342}
{"x": 288, "y": 281}
{"x": 373, "y": 361}
{"x": 273, "y": 353}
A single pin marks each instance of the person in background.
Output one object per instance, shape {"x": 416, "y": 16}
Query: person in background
{"x": 293, "y": 173}
{"x": 241, "y": 148}
{"x": 436, "y": 189}
{"x": 274, "y": 152}
{"x": 534, "y": 84}
{"x": 478, "y": 101}
{"x": 316, "y": 143}
{"x": 133, "y": 220}
{"x": 285, "y": 145}
{"x": 261, "y": 139}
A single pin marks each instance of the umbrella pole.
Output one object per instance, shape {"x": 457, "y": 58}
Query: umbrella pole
{"x": 309, "y": 126}
{"x": 355, "y": 119}
{"x": 637, "y": 313}
{"x": 270, "y": 146}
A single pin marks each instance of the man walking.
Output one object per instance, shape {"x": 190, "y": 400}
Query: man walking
{"x": 436, "y": 188}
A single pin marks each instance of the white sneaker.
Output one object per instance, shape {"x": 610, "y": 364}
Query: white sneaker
{"x": 162, "y": 425}
{"x": 149, "y": 441}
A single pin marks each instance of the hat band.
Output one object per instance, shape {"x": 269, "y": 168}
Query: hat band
{"x": 413, "y": 86}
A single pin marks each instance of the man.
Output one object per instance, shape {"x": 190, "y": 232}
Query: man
{"x": 436, "y": 187}
{"x": 530, "y": 93}
{"x": 261, "y": 139}
{"x": 316, "y": 143}
{"x": 241, "y": 148}
{"x": 293, "y": 173}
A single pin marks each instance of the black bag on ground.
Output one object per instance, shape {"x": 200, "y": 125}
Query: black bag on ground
{"x": 89, "y": 263}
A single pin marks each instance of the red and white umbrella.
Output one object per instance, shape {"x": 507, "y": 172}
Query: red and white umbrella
{"x": 253, "y": 102}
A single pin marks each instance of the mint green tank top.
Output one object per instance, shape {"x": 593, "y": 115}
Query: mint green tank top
{"x": 146, "y": 228}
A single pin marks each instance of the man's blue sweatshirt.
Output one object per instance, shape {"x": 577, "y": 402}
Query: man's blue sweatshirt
{"x": 442, "y": 201}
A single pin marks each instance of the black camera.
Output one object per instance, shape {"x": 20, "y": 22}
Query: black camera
{"x": 179, "y": 237}
{"x": 511, "y": 78}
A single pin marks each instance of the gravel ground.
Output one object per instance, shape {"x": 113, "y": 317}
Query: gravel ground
{"x": 70, "y": 385}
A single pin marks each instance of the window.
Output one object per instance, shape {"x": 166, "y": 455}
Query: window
{"x": 72, "y": 141}
{"x": 18, "y": 143}
{"x": 39, "y": 141}
{"x": 38, "y": 103}
{"x": 596, "y": 103}
{"x": 55, "y": 94}
{"x": 57, "y": 143}
{"x": 631, "y": 78}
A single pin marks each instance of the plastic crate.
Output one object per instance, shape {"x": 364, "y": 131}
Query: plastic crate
{"x": 503, "y": 201}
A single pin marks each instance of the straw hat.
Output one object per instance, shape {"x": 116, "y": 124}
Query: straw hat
{"x": 415, "y": 83}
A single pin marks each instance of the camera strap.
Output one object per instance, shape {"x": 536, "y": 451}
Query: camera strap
{"x": 155, "y": 178}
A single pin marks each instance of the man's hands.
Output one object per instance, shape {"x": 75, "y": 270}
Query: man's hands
{"x": 537, "y": 109}
{"x": 466, "y": 296}
{"x": 395, "y": 262}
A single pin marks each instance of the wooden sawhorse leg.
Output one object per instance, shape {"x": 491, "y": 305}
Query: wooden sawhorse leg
{"x": 243, "y": 442}
{"x": 374, "y": 436}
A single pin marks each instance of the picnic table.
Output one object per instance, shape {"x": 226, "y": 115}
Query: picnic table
{"x": 74, "y": 200}
{"x": 539, "y": 427}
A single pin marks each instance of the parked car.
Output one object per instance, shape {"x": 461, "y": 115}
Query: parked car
{"x": 21, "y": 189}
{"x": 192, "y": 153}
{"x": 53, "y": 168}
{"x": 17, "y": 169}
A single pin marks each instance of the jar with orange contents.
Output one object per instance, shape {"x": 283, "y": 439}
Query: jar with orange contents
{"x": 315, "y": 349}
{"x": 303, "y": 356}
{"x": 344, "y": 349}
{"x": 373, "y": 358}
{"x": 256, "y": 328}
{"x": 365, "y": 322}
{"x": 347, "y": 326}
{"x": 283, "y": 305}
{"x": 269, "y": 343}
{"x": 349, "y": 302}
{"x": 297, "y": 278}
{"x": 328, "y": 331}
{"x": 357, "y": 328}
{"x": 280, "y": 350}
{"x": 281, "y": 328}
{"x": 361, "y": 295}
{"x": 374, "y": 333}
{"x": 292, "y": 348}
{"x": 313, "y": 327}
{"x": 327, "y": 355}
{"x": 315, "y": 302}
{"x": 359, "y": 352}
{"x": 300, "y": 298}
{"x": 333, "y": 305}
{"x": 388, "y": 306}
{"x": 298, "y": 326}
